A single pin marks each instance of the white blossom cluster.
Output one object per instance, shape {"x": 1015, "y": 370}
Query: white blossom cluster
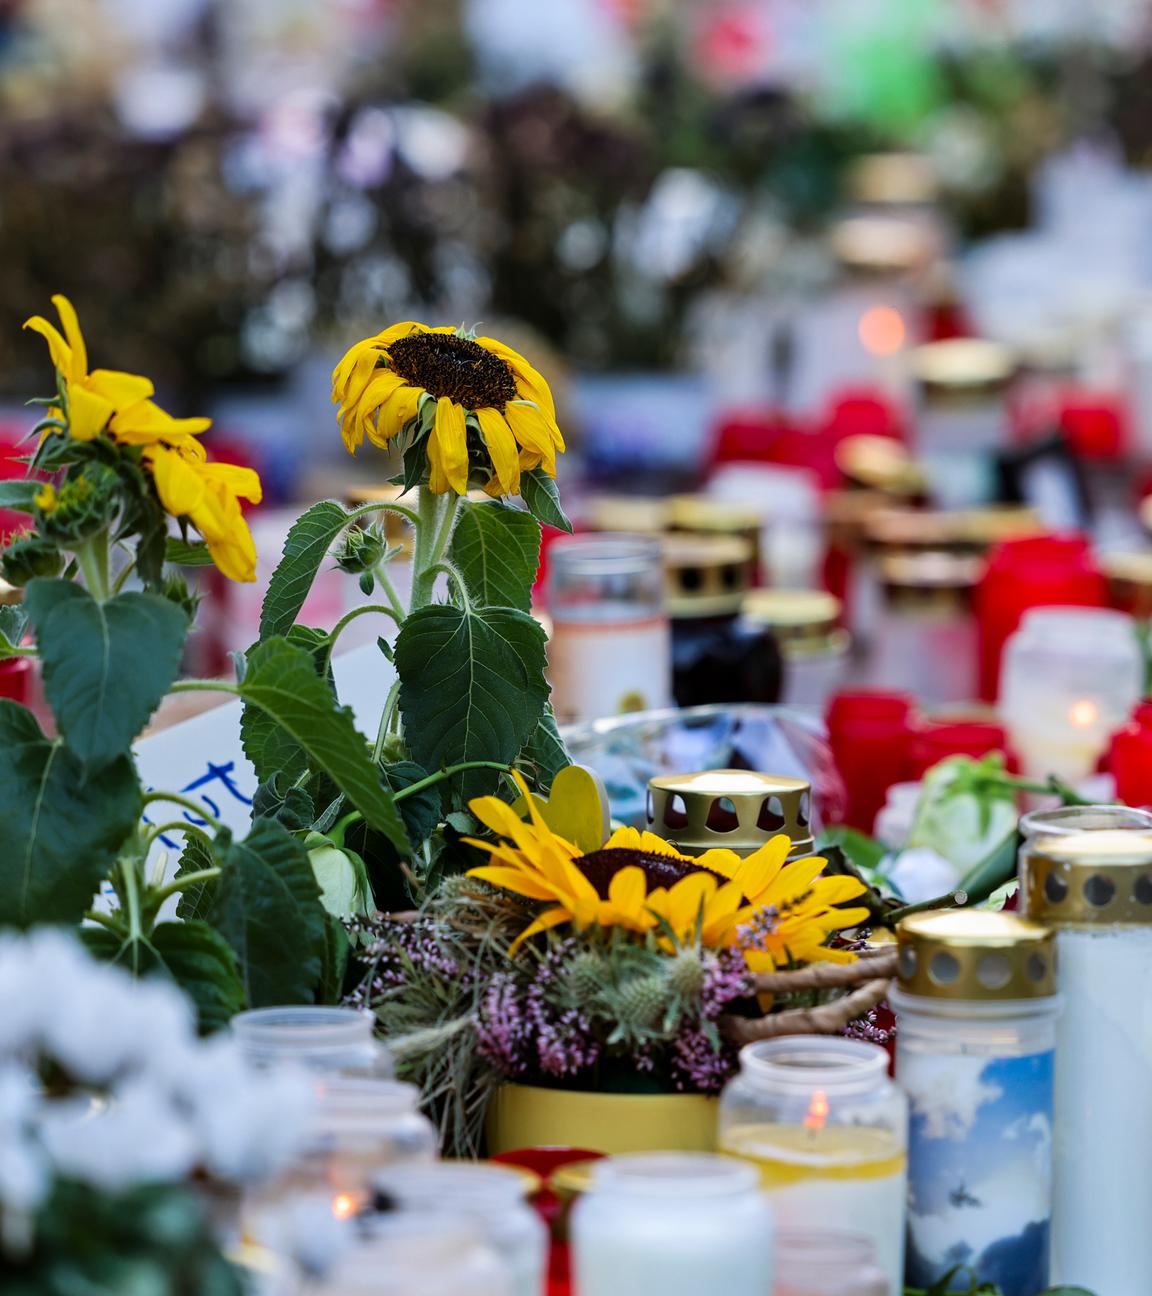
{"x": 145, "y": 1100}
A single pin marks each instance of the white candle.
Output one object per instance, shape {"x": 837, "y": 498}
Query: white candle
{"x": 672, "y": 1223}
{"x": 1096, "y": 889}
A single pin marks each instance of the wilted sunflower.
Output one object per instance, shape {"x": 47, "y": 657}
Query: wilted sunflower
{"x": 119, "y": 406}
{"x": 486, "y": 412}
{"x": 774, "y": 911}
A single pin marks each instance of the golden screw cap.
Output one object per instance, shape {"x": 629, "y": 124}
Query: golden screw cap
{"x": 975, "y": 954}
{"x": 737, "y": 810}
{"x": 1088, "y": 878}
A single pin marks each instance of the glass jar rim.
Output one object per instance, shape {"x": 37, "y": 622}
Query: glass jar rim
{"x": 304, "y": 1028}
{"x": 347, "y": 1103}
{"x": 672, "y": 1176}
{"x": 607, "y": 553}
{"x": 806, "y": 1062}
{"x": 455, "y": 1184}
{"x": 1065, "y": 821}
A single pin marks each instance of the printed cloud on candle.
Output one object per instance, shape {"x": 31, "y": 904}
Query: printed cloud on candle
{"x": 998, "y": 1219}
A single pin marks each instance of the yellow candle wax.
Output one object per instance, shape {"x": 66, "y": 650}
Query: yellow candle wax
{"x": 788, "y": 1154}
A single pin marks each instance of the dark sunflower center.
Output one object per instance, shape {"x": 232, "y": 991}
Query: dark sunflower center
{"x": 456, "y": 367}
{"x": 660, "y": 870}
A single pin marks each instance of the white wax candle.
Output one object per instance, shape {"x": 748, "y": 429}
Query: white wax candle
{"x": 606, "y": 667}
{"x": 1102, "y": 1206}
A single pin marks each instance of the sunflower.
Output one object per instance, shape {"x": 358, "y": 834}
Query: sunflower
{"x": 484, "y": 408}
{"x": 775, "y": 911}
{"x": 119, "y": 405}
{"x": 92, "y": 398}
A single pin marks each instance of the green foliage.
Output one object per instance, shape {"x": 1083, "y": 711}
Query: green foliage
{"x": 19, "y": 493}
{"x": 107, "y": 666}
{"x": 360, "y": 549}
{"x": 196, "y": 857}
{"x": 540, "y": 493}
{"x": 64, "y": 824}
{"x": 544, "y": 754}
{"x": 307, "y": 544}
{"x": 187, "y": 553}
{"x": 266, "y": 905}
{"x": 497, "y": 551}
{"x": 281, "y": 680}
{"x": 27, "y": 556}
{"x": 149, "y": 1239}
{"x": 192, "y": 953}
{"x": 13, "y": 627}
{"x": 472, "y": 687}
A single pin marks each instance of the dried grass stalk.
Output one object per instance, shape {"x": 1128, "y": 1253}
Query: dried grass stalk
{"x": 827, "y": 976}
{"x": 825, "y": 1020}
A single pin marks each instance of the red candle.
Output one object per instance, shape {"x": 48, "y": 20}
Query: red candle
{"x": 1130, "y": 760}
{"x": 1035, "y": 571}
{"x": 870, "y": 734}
{"x": 936, "y": 740}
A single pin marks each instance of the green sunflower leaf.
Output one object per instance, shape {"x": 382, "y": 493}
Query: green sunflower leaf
{"x": 540, "y": 493}
{"x": 19, "y": 493}
{"x": 497, "y": 551}
{"x": 192, "y": 953}
{"x": 281, "y": 681}
{"x": 544, "y": 754}
{"x": 63, "y": 824}
{"x": 267, "y": 907}
{"x": 107, "y": 666}
{"x": 13, "y": 627}
{"x": 307, "y": 544}
{"x": 472, "y": 687}
{"x": 197, "y": 855}
{"x": 187, "y": 553}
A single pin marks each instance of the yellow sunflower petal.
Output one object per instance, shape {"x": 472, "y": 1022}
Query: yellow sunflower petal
{"x": 685, "y": 900}
{"x": 550, "y": 918}
{"x": 529, "y": 380}
{"x": 502, "y": 448}
{"x": 530, "y": 429}
{"x": 448, "y": 448}
{"x": 835, "y": 890}
{"x": 793, "y": 881}
{"x": 67, "y": 313}
{"x": 628, "y": 891}
{"x": 235, "y": 554}
{"x": 241, "y": 482}
{"x": 179, "y": 485}
{"x": 508, "y": 879}
{"x": 122, "y": 389}
{"x": 724, "y": 863}
{"x": 397, "y": 409}
{"x": 88, "y": 413}
{"x": 58, "y": 349}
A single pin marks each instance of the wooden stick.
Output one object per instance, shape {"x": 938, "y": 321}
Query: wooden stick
{"x": 824, "y": 976}
{"x": 825, "y": 1020}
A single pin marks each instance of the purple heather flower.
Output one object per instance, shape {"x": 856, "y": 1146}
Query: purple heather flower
{"x": 501, "y": 1026}
{"x": 698, "y": 1066}
{"x": 726, "y": 978}
{"x": 754, "y": 934}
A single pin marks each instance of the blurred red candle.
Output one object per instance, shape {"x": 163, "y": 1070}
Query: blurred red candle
{"x": 870, "y": 734}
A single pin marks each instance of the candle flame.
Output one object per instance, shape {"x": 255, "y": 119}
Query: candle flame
{"x": 1083, "y": 714}
{"x": 882, "y": 330}
{"x": 343, "y": 1205}
{"x": 817, "y": 1116}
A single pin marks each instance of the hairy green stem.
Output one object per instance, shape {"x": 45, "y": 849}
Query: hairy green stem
{"x": 952, "y": 900}
{"x": 448, "y": 773}
{"x": 433, "y": 534}
{"x": 177, "y": 885}
{"x": 104, "y": 920}
{"x": 175, "y": 798}
{"x": 346, "y": 620}
{"x": 385, "y": 721}
{"x": 380, "y": 571}
{"x": 92, "y": 555}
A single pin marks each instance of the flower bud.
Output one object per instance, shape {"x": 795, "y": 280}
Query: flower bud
{"x": 341, "y": 877}
{"x": 360, "y": 549}
{"x": 28, "y": 556}
{"x": 82, "y": 506}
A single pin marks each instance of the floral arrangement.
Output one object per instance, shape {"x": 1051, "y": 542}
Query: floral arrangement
{"x": 117, "y": 1127}
{"x": 122, "y": 500}
{"x": 592, "y": 964}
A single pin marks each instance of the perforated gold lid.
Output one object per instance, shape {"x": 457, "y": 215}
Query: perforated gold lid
{"x": 975, "y": 954}
{"x": 880, "y": 463}
{"x": 801, "y": 620}
{"x": 1088, "y": 878}
{"x": 705, "y": 575}
{"x": 960, "y": 368}
{"x": 706, "y": 514}
{"x": 738, "y": 810}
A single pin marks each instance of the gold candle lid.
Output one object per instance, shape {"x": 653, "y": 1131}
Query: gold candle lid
{"x": 737, "y": 810}
{"x": 962, "y": 369}
{"x": 705, "y": 575}
{"x": 881, "y": 244}
{"x": 646, "y": 514}
{"x": 913, "y": 530}
{"x": 1128, "y": 569}
{"x": 802, "y": 620}
{"x": 989, "y": 525}
{"x": 894, "y": 179}
{"x": 706, "y": 514}
{"x": 975, "y": 954}
{"x": 879, "y": 463}
{"x": 929, "y": 580}
{"x": 1093, "y": 878}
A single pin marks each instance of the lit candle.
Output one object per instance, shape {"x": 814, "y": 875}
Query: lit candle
{"x": 1095, "y": 888}
{"x": 1071, "y": 678}
{"x": 827, "y": 1129}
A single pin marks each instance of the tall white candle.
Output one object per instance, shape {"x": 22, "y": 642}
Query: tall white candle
{"x": 1096, "y": 889}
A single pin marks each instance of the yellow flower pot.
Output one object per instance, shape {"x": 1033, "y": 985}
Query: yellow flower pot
{"x": 523, "y": 1116}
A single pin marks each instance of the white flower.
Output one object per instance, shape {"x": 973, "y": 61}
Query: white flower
{"x": 921, "y": 874}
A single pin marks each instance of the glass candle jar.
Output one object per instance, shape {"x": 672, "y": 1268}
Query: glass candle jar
{"x": 925, "y": 636}
{"x": 813, "y": 646}
{"x": 330, "y": 1041}
{"x": 813, "y": 1263}
{"x": 610, "y": 650}
{"x": 420, "y": 1254}
{"x": 976, "y": 1011}
{"x": 1095, "y": 889}
{"x": 716, "y": 657}
{"x": 673, "y": 1223}
{"x": 1071, "y": 678}
{"x": 493, "y": 1196}
{"x": 828, "y": 1131}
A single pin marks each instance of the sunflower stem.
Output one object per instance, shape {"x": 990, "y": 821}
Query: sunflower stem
{"x": 433, "y": 532}
{"x": 92, "y": 555}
